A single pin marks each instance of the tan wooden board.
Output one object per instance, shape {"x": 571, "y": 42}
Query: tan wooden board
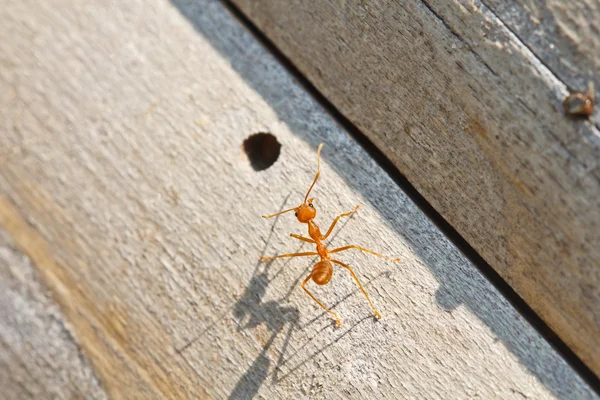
{"x": 39, "y": 357}
{"x": 474, "y": 119}
{"x": 124, "y": 183}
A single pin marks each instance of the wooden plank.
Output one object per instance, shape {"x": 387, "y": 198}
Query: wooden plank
{"x": 124, "y": 181}
{"x": 39, "y": 358}
{"x": 564, "y": 35}
{"x": 109, "y": 339}
{"x": 475, "y": 121}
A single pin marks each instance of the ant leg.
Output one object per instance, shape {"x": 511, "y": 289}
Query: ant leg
{"x": 318, "y": 171}
{"x": 300, "y": 237}
{"x": 359, "y": 285}
{"x": 337, "y": 219}
{"x": 365, "y": 250}
{"x": 312, "y": 253}
{"x": 337, "y": 319}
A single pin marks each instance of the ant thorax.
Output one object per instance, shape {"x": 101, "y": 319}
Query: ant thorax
{"x": 313, "y": 231}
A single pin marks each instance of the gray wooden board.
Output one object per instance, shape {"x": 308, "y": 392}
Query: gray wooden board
{"x": 474, "y": 119}
{"x": 564, "y": 35}
{"x": 123, "y": 180}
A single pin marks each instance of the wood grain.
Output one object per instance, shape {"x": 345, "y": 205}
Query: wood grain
{"x": 474, "y": 119}
{"x": 563, "y": 35}
{"x": 124, "y": 182}
{"x": 39, "y": 357}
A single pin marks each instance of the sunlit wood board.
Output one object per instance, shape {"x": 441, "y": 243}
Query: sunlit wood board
{"x": 124, "y": 185}
{"x": 466, "y": 99}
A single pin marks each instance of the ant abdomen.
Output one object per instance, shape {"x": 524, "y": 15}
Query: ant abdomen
{"x": 322, "y": 272}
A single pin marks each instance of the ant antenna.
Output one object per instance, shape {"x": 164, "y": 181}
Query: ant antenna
{"x": 318, "y": 171}
{"x": 279, "y": 213}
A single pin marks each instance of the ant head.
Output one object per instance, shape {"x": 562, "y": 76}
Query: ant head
{"x": 306, "y": 211}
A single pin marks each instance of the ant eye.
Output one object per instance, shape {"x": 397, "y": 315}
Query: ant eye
{"x": 296, "y": 213}
{"x": 310, "y": 205}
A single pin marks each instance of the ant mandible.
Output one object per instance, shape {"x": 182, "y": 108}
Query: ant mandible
{"x": 323, "y": 270}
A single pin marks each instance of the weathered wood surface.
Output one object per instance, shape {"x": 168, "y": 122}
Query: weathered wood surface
{"x": 474, "y": 120}
{"x": 123, "y": 181}
{"x": 564, "y": 35}
{"x": 39, "y": 357}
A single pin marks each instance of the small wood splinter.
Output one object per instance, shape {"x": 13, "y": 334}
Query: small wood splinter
{"x": 322, "y": 271}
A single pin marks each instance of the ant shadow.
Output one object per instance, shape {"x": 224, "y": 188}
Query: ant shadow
{"x": 460, "y": 284}
{"x": 276, "y": 318}
{"x": 251, "y": 308}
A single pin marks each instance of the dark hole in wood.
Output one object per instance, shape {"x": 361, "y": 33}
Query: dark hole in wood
{"x": 262, "y": 150}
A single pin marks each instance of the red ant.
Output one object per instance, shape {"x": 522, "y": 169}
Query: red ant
{"x": 323, "y": 270}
